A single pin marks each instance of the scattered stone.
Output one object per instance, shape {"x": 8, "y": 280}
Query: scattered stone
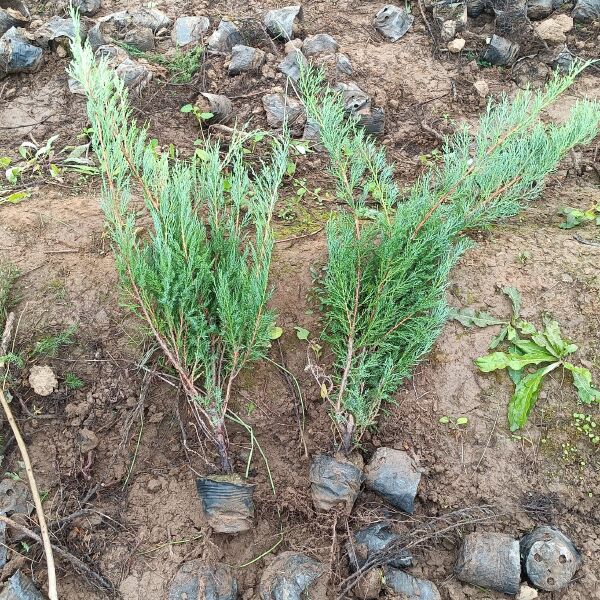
{"x": 353, "y": 97}
{"x": 245, "y": 59}
{"x": 490, "y": 560}
{"x": 293, "y": 576}
{"x": 290, "y": 66}
{"x": 43, "y": 380}
{"x": 393, "y": 22}
{"x": 189, "y": 30}
{"x": 482, "y": 88}
{"x": 369, "y": 586}
{"x": 527, "y": 593}
{"x": 448, "y": 30}
{"x": 282, "y": 23}
{"x": 500, "y": 51}
{"x": 334, "y": 482}
{"x": 586, "y": 10}
{"x": 563, "y": 61}
{"x": 13, "y": 13}
{"x": 227, "y": 502}
{"x": 553, "y": 30}
{"x": 410, "y": 587}
{"x": 281, "y": 109}
{"x": 372, "y": 120}
{"x": 225, "y": 37}
{"x": 148, "y": 17}
{"x": 220, "y": 106}
{"x": 88, "y": 8}
{"x": 321, "y": 43}
{"x": 295, "y": 44}
{"x": 511, "y": 18}
{"x": 312, "y": 131}
{"x": 375, "y": 538}
{"x": 140, "y": 38}
{"x": 88, "y": 440}
{"x": 550, "y": 558}
{"x": 17, "y": 55}
{"x": 15, "y": 498}
{"x": 393, "y": 475}
{"x": 530, "y": 72}
{"x": 134, "y": 75}
{"x": 343, "y": 64}
{"x": 57, "y": 33}
{"x": 539, "y": 9}
{"x": 154, "y": 485}
{"x": 456, "y": 46}
{"x": 198, "y": 580}
{"x": 20, "y": 587}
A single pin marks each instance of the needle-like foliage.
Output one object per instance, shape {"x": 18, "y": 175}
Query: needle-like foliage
{"x": 383, "y": 292}
{"x": 194, "y": 255}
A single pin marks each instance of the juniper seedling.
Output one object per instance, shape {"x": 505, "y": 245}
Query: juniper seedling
{"x": 199, "y": 278}
{"x": 383, "y": 292}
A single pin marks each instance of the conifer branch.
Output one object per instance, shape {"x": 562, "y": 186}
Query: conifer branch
{"x": 383, "y": 292}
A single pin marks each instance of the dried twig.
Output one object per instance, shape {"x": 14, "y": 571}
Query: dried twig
{"x": 77, "y": 563}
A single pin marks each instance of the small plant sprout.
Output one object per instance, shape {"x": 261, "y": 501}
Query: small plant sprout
{"x": 73, "y": 382}
{"x": 199, "y": 280}
{"x": 575, "y": 217}
{"x": 51, "y": 345}
{"x": 389, "y": 257}
{"x": 587, "y": 426}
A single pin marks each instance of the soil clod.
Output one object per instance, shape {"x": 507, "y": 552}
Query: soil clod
{"x": 43, "y": 380}
{"x": 490, "y": 560}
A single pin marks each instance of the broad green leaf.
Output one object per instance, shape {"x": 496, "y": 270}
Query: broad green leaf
{"x": 515, "y": 299}
{"x": 582, "y": 379}
{"x": 205, "y": 116}
{"x": 526, "y": 395}
{"x": 275, "y": 333}
{"x": 15, "y": 198}
{"x": 12, "y": 174}
{"x": 4, "y": 162}
{"x": 527, "y": 346}
{"x": 555, "y": 341}
{"x": 301, "y": 333}
{"x": 202, "y": 154}
{"x": 511, "y": 333}
{"x": 469, "y": 318}
{"x": 525, "y": 327}
{"x": 444, "y": 420}
{"x": 515, "y": 376}
{"x": 462, "y": 421}
{"x": 187, "y": 108}
{"x": 502, "y": 360}
{"x": 497, "y": 340}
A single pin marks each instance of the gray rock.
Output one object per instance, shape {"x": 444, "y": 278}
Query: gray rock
{"x": 334, "y": 482}
{"x": 511, "y": 19}
{"x": 13, "y": 13}
{"x": 149, "y": 17}
{"x": 198, "y": 580}
{"x": 372, "y": 120}
{"x": 17, "y": 55}
{"x": 57, "y": 30}
{"x": 477, "y": 7}
{"x": 291, "y": 576}
{"x": 409, "y": 587}
{"x": 353, "y": 97}
{"x": 221, "y": 108}
{"x": 539, "y": 9}
{"x": 586, "y": 10}
{"x": 15, "y": 498}
{"x": 227, "y": 501}
{"x": 530, "y": 72}
{"x": 321, "y": 43}
{"x": 393, "y": 22}
{"x": 88, "y": 8}
{"x": 141, "y": 38}
{"x": 501, "y": 51}
{"x": 450, "y": 18}
{"x": 225, "y": 37}
{"x": 245, "y": 59}
{"x": 281, "y": 109}
{"x": 189, "y": 30}
{"x": 291, "y": 65}
{"x": 549, "y": 557}
{"x": 312, "y": 131}
{"x": 20, "y": 587}
{"x": 393, "y": 475}
{"x": 281, "y": 23}
{"x": 343, "y": 64}
{"x": 372, "y": 539}
{"x": 490, "y": 560}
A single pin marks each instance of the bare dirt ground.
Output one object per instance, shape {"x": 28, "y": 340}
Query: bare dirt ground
{"x": 143, "y": 516}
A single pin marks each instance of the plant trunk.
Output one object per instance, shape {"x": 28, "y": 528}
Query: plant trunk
{"x": 348, "y": 434}
{"x": 221, "y": 442}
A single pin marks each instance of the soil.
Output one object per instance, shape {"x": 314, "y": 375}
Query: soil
{"x": 115, "y": 448}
